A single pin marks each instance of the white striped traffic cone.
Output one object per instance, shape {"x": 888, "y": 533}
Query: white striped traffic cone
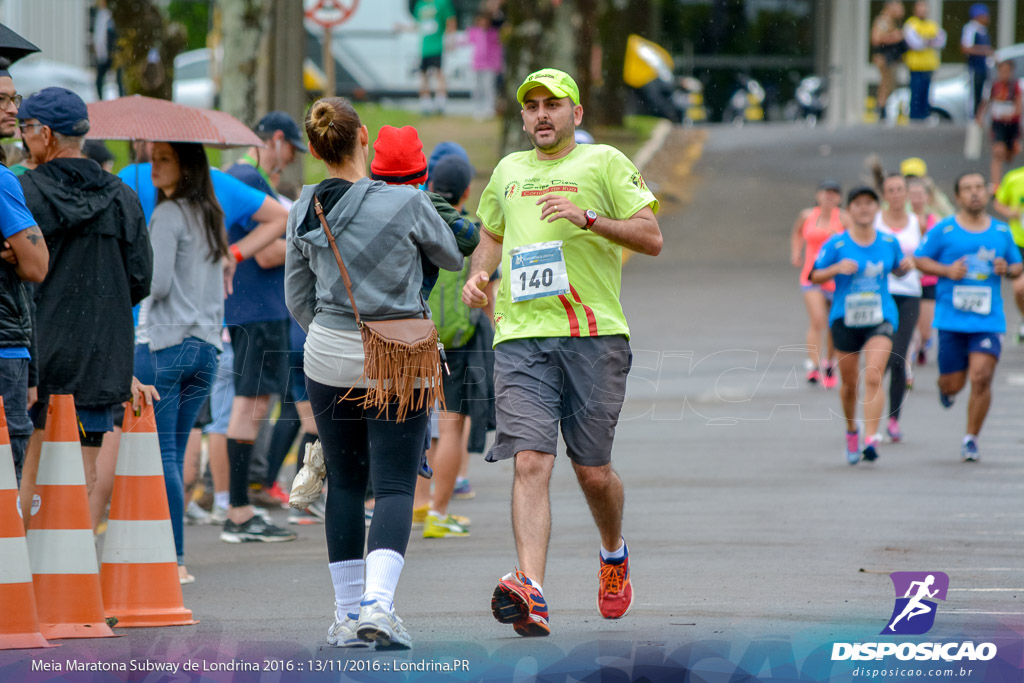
{"x": 19, "y": 624}
{"x": 60, "y": 543}
{"x": 140, "y": 568}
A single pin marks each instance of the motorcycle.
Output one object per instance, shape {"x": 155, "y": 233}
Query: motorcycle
{"x": 811, "y": 100}
{"x": 648, "y": 70}
{"x": 746, "y": 104}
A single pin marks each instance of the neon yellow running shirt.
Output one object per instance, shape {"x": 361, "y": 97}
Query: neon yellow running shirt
{"x": 1011, "y": 194}
{"x": 533, "y": 299}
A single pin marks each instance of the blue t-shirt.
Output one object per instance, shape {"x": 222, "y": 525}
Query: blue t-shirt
{"x": 258, "y": 292}
{"x": 976, "y": 35}
{"x": 975, "y": 303}
{"x": 14, "y": 218}
{"x": 238, "y": 201}
{"x": 872, "y": 277}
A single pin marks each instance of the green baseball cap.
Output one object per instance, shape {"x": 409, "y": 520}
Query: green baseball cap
{"x": 558, "y": 82}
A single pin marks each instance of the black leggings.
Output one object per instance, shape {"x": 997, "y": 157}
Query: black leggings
{"x": 359, "y": 446}
{"x": 909, "y": 308}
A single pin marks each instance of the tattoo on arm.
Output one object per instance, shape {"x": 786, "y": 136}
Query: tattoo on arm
{"x": 34, "y": 235}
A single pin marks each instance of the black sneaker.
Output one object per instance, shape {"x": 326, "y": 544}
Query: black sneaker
{"x": 256, "y": 529}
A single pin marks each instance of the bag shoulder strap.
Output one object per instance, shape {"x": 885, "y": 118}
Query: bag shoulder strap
{"x": 337, "y": 255}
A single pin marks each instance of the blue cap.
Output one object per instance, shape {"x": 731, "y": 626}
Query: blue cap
{"x": 442, "y": 150}
{"x": 450, "y": 178}
{"x": 281, "y": 121}
{"x": 60, "y": 109}
{"x": 977, "y": 10}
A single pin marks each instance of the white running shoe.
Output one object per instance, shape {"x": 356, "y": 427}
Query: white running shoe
{"x": 309, "y": 481}
{"x": 343, "y": 633}
{"x": 218, "y": 515}
{"x": 381, "y": 626}
{"x": 195, "y": 514}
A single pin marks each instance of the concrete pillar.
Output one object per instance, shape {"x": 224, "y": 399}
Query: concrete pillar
{"x": 1007, "y": 23}
{"x": 848, "y": 61}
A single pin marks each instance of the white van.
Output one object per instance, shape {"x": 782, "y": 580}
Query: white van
{"x": 377, "y": 50}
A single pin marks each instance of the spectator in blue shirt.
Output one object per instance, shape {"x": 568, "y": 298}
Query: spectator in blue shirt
{"x": 976, "y": 44}
{"x": 26, "y": 259}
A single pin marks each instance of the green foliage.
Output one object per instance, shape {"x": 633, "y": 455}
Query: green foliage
{"x": 194, "y": 15}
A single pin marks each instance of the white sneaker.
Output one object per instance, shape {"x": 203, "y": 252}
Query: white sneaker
{"x": 309, "y": 481}
{"x": 218, "y": 515}
{"x": 343, "y": 633}
{"x": 195, "y": 514}
{"x": 381, "y": 626}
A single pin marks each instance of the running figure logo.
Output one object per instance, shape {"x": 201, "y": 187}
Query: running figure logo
{"x": 914, "y": 612}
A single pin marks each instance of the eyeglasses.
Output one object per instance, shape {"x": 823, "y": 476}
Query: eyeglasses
{"x": 7, "y": 100}
{"x": 34, "y": 126}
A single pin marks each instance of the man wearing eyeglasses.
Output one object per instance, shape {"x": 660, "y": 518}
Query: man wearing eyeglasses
{"x": 28, "y": 261}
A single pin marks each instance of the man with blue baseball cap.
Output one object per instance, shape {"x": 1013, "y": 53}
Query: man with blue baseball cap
{"x": 101, "y": 263}
{"x": 976, "y": 44}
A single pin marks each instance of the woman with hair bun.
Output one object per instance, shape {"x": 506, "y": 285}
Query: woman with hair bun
{"x": 382, "y": 232}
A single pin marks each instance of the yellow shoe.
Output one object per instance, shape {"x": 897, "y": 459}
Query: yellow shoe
{"x": 447, "y": 527}
{"x": 463, "y": 521}
{"x": 419, "y": 516}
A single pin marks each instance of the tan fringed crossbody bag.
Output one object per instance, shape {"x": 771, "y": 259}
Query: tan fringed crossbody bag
{"x": 403, "y": 357}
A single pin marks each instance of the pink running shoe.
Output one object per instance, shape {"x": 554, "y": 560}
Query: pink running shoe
{"x": 894, "y": 430}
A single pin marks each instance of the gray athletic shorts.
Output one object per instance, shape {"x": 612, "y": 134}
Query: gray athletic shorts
{"x": 576, "y": 382}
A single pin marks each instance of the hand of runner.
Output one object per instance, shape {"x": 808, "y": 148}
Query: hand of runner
{"x": 33, "y": 396}
{"x": 555, "y": 206}
{"x": 958, "y": 269}
{"x": 906, "y": 265}
{"x": 1000, "y": 266}
{"x": 473, "y": 292}
{"x": 847, "y": 266}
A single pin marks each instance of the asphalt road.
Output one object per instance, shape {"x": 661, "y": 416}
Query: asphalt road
{"x": 748, "y": 532}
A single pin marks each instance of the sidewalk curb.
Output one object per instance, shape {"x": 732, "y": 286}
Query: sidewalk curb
{"x": 661, "y": 130}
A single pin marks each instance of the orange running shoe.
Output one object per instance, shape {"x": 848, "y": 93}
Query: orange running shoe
{"x": 615, "y": 593}
{"x": 517, "y": 601}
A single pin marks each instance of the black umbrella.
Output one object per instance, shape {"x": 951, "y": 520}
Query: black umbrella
{"x": 13, "y": 47}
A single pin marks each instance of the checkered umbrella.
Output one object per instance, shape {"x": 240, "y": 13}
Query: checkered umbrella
{"x": 147, "y": 118}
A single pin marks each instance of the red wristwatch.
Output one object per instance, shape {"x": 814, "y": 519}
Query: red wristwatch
{"x": 591, "y": 217}
{"x": 236, "y": 252}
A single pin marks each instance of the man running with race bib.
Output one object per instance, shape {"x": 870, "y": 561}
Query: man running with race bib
{"x": 556, "y": 218}
{"x": 970, "y": 252}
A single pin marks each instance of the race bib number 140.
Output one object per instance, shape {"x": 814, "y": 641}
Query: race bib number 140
{"x": 538, "y": 270}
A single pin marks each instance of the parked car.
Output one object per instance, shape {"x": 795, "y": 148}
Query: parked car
{"x": 950, "y": 98}
{"x": 34, "y": 73}
{"x": 193, "y": 80}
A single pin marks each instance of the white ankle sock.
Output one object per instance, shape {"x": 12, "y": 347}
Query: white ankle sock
{"x": 347, "y": 577}
{"x": 221, "y": 499}
{"x": 383, "y": 568}
{"x": 970, "y": 437}
{"x": 614, "y": 554}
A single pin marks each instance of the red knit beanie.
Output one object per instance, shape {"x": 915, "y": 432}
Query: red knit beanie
{"x": 398, "y": 157}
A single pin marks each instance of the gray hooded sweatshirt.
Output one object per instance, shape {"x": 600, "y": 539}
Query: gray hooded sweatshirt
{"x": 381, "y": 230}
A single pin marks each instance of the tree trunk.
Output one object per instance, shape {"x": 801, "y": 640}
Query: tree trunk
{"x": 617, "y": 20}
{"x": 146, "y": 47}
{"x": 526, "y": 51}
{"x": 243, "y": 23}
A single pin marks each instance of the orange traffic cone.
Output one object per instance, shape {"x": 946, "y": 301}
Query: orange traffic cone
{"x": 19, "y": 626}
{"x": 140, "y": 568}
{"x": 60, "y": 542}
